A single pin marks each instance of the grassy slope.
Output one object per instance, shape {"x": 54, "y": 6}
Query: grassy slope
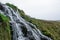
{"x": 4, "y": 28}
{"x": 49, "y": 28}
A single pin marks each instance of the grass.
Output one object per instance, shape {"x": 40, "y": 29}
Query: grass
{"x": 12, "y": 6}
{"x": 4, "y": 28}
{"x": 48, "y": 28}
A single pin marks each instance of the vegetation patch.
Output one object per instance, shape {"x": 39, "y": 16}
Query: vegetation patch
{"x": 12, "y": 6}
{"x": 4, "y": 28}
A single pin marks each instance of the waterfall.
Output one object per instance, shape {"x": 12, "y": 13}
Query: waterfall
{"x": 22, "y": 30}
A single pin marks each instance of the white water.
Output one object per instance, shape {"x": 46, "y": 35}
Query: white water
{"x": 22, "y": 30}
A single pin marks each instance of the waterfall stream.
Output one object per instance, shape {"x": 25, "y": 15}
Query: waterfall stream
{"x": 22, "y": 30}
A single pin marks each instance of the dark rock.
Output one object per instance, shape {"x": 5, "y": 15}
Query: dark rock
{"x": 1, "y": 7}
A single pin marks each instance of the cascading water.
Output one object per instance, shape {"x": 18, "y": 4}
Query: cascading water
{"x": 22, "y": 30}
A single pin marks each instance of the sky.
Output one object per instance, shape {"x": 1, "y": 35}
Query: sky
{"x": 40, "y": 9}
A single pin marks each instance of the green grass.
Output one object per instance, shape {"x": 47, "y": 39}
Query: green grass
{"x": 12, "y": 6}
{"x": 48, "y": 28}
{"x": 4, "y": 28}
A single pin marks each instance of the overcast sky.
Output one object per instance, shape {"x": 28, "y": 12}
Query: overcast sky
{"x": 40, "y": 9}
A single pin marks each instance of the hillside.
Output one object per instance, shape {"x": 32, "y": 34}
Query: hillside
{"x": 48, "y": 28}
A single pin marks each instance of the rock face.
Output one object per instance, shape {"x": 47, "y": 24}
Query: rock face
{"x": 22, "y": 30}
